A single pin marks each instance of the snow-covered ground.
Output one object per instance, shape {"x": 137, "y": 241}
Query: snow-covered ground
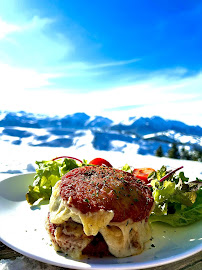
{"x": 16, "y": 159}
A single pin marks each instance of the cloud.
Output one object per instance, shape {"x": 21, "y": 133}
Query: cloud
{"x": 36, "y": 23}
{"x": 87, "y": 66}
{"x": 112, "y": 64}
{"x": 89, "y": 70}
{"x": 34, "y": 43}
{"x": 181, "y": 99}
{"x": 157, "y": 90}
{"x": 14, "y": 79}
{"x": 7, "y": 28}
{"x": 176, "y": 98}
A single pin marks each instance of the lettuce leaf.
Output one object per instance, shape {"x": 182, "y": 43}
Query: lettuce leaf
{"x": 47, "y": 174}
{"x": 127, "y": 168}
{"x": 182, "y": 216}
{"x": 178, "y": 202}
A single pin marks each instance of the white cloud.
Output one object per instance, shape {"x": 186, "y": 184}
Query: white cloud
{"x": 20, "y": 79}
{"x": 112, "y": 64}
{"x": 32, "y": 42}
{"x": 174, "y": 101}
{"x": 87, "y": 69}
{"x": 7, "y": 28}
{"x": 36, "y": 22}
{"x": 156, "y": 91}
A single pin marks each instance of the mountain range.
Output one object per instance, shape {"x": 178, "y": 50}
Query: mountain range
{"x": 143, "y": 134}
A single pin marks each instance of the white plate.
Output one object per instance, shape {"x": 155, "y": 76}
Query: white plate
{"x": 22, "y": 229}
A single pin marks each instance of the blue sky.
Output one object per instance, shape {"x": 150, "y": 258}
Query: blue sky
{"x": 116, "y": 58}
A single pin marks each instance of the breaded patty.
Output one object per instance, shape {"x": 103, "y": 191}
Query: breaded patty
{"x": 92, "y": 188}
{"x": 71, "y": 236}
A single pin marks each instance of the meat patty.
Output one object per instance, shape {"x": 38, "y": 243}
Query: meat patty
{"x": 92, "y": 188}
{"x": 71, "y": 237}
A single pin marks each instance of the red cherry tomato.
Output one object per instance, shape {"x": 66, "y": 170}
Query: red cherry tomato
{"x": 100, "y": 162}
{"x": 143, "y": 173}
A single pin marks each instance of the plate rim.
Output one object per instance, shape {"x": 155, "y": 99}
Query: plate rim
{"x": 140, "y": 265}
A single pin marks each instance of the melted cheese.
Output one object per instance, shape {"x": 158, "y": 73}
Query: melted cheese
{"x": 123, "y": 238}
{"x": 92, "y": 222}
{"x": 126, "y": 238}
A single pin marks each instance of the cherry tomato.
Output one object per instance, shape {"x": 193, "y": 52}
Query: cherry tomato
{"x": 143, "y": 173}
{"x": 100, "y": 162}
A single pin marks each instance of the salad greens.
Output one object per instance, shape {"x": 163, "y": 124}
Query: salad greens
{"x": 47, "y": 174}
{"x": 126, "y": 168}
{"x": 178, "y": 201}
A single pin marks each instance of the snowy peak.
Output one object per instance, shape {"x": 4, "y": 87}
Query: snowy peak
{"x": 145, "y": 125}
{"x": 144, "y": 135}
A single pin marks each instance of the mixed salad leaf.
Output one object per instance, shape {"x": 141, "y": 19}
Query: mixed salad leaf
{"x": 178, "y": 201}
{"x": 47, "y": 174}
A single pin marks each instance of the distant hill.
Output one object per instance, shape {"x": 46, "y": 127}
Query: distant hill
{"x": 143, "y": 134}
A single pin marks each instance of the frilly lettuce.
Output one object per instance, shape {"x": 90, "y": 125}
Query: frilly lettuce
{"x": 178, "y": 202}
{"x": 47, "y": 174}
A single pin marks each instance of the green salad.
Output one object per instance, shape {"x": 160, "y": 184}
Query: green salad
{"x": 178, "y": 201}
{"x": 47, "y": 174}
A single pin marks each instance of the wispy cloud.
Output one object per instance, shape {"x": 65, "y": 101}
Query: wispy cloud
{"x": 36, "y": 23}
{"x": 88, "y": 70}
{"x": 33, "y": 43}
{"x": 112, "y": 64}
{"x": 153, "y": 91}
{"x": 87, "y": 66}
{"x": 180, "y": 100}
{"x": 7, "y": 28}
{"x": 14, "y": 79}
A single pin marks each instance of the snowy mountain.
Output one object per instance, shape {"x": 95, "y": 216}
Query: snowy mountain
{"x": 143, "y": 135}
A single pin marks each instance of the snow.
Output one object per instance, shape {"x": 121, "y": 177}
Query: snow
{"x": 21, "y": 158}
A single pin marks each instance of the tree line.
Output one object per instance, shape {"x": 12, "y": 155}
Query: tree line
{"x": 179, "y": 153}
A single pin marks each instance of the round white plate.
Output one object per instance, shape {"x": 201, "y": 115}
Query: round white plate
{"x": 22, "y": 229}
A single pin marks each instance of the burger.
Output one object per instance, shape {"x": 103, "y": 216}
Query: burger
{"x": 99, "y": 211}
